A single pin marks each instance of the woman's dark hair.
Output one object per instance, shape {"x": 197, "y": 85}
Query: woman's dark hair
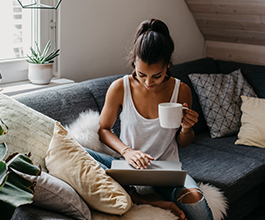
{"x": 152, "y": 43}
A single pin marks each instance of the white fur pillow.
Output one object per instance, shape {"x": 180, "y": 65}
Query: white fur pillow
{"x": 85, "y": 131}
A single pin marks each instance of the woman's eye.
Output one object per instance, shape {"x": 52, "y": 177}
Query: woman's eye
{"x": 156, "y": 77}
{"x": 141, "y": 75}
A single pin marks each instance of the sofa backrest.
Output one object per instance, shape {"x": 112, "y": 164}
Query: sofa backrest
{"x": 181, "y": 71}
{"x": 98, "y": 88}
{"x": 62, "y": 103}
{"x": 65, "y": 103}
{"x": 254, "y": 74}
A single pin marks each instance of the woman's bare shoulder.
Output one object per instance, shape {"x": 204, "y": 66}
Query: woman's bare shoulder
{"x": 184, "y": 87}
{"x": 116, "y": 85}
{"x": 185, "y": 95}
{"x": 115, "y": 92}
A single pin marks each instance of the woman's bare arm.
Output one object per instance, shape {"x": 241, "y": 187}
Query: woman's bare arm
{"x": 113, "y": 103}
{"x": 186, "y": 135}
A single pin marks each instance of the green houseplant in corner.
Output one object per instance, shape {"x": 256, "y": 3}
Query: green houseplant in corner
{"x": 14, "y": 190}
{"x": 40, "y": 64}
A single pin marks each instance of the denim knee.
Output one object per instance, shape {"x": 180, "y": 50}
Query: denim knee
{"x": 104, "y": 160}
{"x": 197, "y": 211}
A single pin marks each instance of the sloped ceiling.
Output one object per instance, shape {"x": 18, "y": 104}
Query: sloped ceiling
{"x": 236, "y": 21}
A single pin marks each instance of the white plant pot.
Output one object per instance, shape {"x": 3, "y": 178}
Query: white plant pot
{"x": 40, "y": 73}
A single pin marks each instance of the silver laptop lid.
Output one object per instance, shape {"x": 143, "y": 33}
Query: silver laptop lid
{"x": 157, "y": 165}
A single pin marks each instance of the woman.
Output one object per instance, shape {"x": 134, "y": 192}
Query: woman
{"x": 142, "y": 139}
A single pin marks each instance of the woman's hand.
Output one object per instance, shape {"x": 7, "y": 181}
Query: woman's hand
{"x": 190, "y": 118}
{"x": 137, "y": 158}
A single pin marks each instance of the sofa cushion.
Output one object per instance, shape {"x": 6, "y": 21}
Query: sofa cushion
{"x": 219, "y": 96}
{"x": 29, "y": 130}
{"x": 54, "y": 194}
{"x": 233, "y": 174}
{"x": 254, "y": 74}
{"x": 252, "y": 130}
{"x": 60, "y": 102}
{"x": 227, "y": 144}
{"x": 30, "y": 212}
{"x": 69, "y": 161}
{"x": 181, "y": 71}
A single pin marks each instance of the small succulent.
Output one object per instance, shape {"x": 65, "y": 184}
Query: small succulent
{"x": 39, "y": 57}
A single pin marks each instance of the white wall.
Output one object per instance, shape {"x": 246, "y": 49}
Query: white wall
{"x": 96, "y": 35}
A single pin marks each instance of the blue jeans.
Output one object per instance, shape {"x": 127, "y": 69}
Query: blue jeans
{"x": 197, "y": 211}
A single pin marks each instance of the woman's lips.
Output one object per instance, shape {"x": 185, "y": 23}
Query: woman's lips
{"x": 150, "y": 87}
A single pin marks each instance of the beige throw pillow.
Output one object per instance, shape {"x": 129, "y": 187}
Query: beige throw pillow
{"x": 67, "y": 160}
{"x": 252, "y": 132}
{"x": 29, "y": 130}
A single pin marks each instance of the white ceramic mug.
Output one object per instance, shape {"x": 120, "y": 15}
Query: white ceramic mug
{"x": 170, "y": 114}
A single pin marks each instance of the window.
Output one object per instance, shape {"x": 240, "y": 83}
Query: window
{"x": 20, "y": 28}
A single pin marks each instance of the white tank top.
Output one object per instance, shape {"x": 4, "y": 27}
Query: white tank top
{"x": 146, "y": 134}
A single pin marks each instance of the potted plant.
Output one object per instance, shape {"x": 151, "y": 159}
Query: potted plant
{"x": 15, "y": 190}
{"x": 40, "y": 64}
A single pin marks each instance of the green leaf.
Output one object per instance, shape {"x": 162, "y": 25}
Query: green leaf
{"x": 15, "y": 192}
{"x": 6, "y": 211}
{"x": 3, "y": 174}
{"x": 42, "y": 58}
{"x": 23, "y": 164}
{"x": 46, "y": 49}
{"x": 38, "y": 49}
{"x": 33, "y": 52}
{"x": 31, "y": 60}
{"x": 14, "y": 189}
{"x": 52, "y": 55}
{"x": 3, "y": 150}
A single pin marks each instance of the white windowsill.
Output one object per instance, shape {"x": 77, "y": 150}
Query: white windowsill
{"x": 26, "y": 86}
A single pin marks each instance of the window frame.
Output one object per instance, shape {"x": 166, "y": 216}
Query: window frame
{"x": 15, "y": 70}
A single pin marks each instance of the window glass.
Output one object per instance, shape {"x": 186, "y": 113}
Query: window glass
{"x": 17, "y": 30}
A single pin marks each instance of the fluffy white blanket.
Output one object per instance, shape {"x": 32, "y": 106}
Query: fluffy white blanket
{"x": 85, "y": 131}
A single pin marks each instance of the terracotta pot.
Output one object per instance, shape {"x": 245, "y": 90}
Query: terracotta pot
{"x": 40, "y": 73}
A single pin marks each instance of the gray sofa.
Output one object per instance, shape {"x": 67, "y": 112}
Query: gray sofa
{"x": 238, "y": 170}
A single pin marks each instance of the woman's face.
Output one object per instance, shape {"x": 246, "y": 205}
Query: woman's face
{"x": 150, "y": 76}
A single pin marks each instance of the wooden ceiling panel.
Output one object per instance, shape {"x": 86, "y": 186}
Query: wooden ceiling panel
{"x": 227, "y": 7}
{"x": 237, "y": 21}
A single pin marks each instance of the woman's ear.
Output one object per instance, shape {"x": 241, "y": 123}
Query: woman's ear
{"x": 133, "y": 64}
{"x": 170, "y": 63}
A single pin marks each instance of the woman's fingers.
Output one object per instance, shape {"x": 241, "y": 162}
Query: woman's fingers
{"x": 190, "y": 118}
{"x": 140, "y": 160}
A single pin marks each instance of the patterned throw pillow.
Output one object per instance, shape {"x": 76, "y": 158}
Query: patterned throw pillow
{"x": 29, "y": 130}
{"x": 219, "y": 96}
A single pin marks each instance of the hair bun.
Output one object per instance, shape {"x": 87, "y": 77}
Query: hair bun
{"x": 159, "y": 26}
{"x": 154, "y": 25}
{"x": 152, "y": 43}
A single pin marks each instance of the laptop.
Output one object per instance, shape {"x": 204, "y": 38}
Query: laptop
{"x": 159, "y": 173}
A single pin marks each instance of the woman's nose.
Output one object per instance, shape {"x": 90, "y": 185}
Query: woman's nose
{"x": 148, "y": 81}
